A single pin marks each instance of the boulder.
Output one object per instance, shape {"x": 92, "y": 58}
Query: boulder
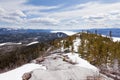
{"x": 26, "y": 76}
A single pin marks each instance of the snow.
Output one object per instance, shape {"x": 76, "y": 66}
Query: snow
{"x": 116, "y": 39}
{"x": 74, "y": 57}
{"x": 58, "y": 69}
{"x": 10, "y": 43}
{"x": 17, "y": 73}
{"x": 76, "y": 44}
{"x": 2, "y": 44}
{"x": 35, "y": 42}
{"x": 66, "y": 32}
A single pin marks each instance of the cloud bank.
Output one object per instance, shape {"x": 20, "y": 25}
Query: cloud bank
{"x": 91, "y": 14}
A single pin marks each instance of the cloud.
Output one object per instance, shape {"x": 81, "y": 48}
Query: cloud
{"x": 19, "y": 13}
{"x": 85, "y": 15}
{"x": 21, "y": 5}
{"x": 91, "y": 8}
{"x": 45, "y": 21}
{"x": 13, "y": 17}
{"x": 14, "y": 13}
{"x": 90, "y": 14}
{"x": 1, "y": 10}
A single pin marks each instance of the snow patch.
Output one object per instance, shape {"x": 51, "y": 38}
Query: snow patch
{"x": 74, "y": 57}
{"x": 17, "y": 73}
{"x": 10, "y": 43}
{"x": 116, "y": 39}
{"x": 66, "y": 32}
{"x": 35, "y": 42}
{"x": 76, "y": 44}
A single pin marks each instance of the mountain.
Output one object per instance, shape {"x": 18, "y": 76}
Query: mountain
{"x": 28, "y": 35}
{"x": 15, "y": 44}
{"x": 83, "y": 55}
{"x": 101, "y": 51}
{"x": 106, "y": 31}
{"x": 11, "y": 30}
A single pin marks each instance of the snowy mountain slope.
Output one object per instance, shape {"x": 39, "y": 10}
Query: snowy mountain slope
{"x": 17, "y": 73}
{"x": 65, "y": 66}
{"x": 54, "y": 64}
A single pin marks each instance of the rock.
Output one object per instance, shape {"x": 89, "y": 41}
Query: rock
{"x": 73, "y": 73}
{"x": 33, "y": 61}
{"x": 26, "y": 76}
{"x": 57, "y": 69}
{"x": 40, "y": 59}
{"x": 69, "y": 61}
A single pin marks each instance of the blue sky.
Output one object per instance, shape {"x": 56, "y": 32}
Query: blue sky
{"x": 60, "y": 14}
{"x": 54, "y": 2}
{"x": 66, "y": 2}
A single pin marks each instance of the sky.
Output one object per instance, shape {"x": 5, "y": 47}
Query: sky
{"x": 59, "y": 14}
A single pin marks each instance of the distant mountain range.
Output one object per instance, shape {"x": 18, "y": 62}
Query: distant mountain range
{"x": 114, "y": 31}
{"x": 29, "y": 35}
{"x": 13, "y": 31}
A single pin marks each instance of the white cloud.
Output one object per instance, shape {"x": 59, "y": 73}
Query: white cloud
{"x": 21, "y": 5}
{"x": 90, "y": 13}
{"x": 19, "y": 13}
{"x": 87, "y": 15}
{"x": 13, "y": 17}
{"x": 45, "y": 21}
{"x": 11, "y": 11}
{"x": 92, "y": 8}
{"x": 1, "y": 10}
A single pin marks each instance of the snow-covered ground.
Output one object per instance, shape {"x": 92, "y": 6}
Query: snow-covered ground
{"x": 35, "y": 42}
{"x": 10, "y": 43}
{"x": 76, "y": 44}
{"x": 116, "y": 39}
{"x": 54, "y": 68}
{"x": 66, "y": 32}
{"x": 75, "y": 58}
{"x": 17, "y": 73}
{"x": 58, "y": 69}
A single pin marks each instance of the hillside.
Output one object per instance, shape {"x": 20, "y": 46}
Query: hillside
{"x": 24, "y": 47}
{"x": 63, "y": 55}
{"x": 91, "y": 47}
{"x": 28, "y": 35}
{"x": 101, "y": 51}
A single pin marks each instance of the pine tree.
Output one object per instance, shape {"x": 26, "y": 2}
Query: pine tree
{"x": 110, "y": 33}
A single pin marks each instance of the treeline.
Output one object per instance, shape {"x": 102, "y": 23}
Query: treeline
{"x": 12, "y": 56}
{"x": 98, "y": 50}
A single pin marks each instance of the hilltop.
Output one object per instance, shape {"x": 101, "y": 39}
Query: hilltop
{"x": 82, "y": 52}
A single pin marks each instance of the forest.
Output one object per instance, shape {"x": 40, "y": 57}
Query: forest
{"x": 99, "y": 50}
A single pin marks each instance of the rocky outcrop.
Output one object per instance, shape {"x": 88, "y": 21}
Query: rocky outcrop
{"x": 38, "y": 60}
{"x": 26, "y": 76}
{"x": 58, "y": 69}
